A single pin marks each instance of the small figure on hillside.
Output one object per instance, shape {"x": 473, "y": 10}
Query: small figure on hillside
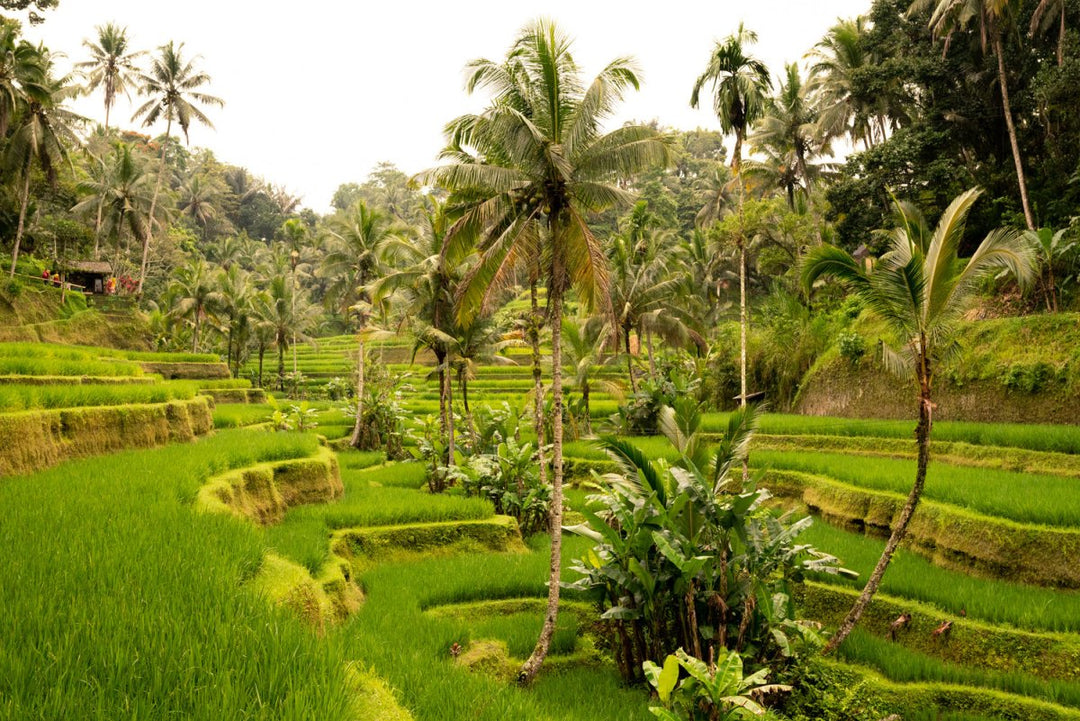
{"x": 942, "y": 630}
{"x": 901, "y": 622}
{"x": 963, "y": 612}
{"x": 45, "y": 276}
{"x": 56, "y": 279}
{"x": 110, "y": 286}
{"x": 455, "y": 650}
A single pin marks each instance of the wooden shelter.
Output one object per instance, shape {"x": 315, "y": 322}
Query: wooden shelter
{"x": 91, "y": 275}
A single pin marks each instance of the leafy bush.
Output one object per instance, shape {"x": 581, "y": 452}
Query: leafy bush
{"x": 717, "y": 692}
{"x": 640, "y": 415}
{"x": 1028, "y": 378}
{"x": 339, "y": 389}
{"x": 686, "y": 556}
{"x": 852, "y": 347}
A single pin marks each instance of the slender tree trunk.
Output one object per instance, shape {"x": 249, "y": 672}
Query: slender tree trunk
{"x": 743, "y": 323}
{"x": 532, "y": 665}
{"x": 648, "y": 349}
{"x": 228, "y": 346}
{"x": 1061, "y": 37}
{"x": 355, "y": 440}
{"x": 629, "y": 360}
{"x": 149, "y": 238}
{"x": 281, "y": 363}
{"x": 585, "y": 402}
{"x": 538, "y": 380}
{"x": 1007, "y": 108}
{"x": 97, "y": 230}
{"x": 922, "y": 436}
{"x": 449, "y": 416}
{"x": 292, "y": 300}
{"x": 195, "y": 332}
{"x": 22, "y": 220}
{"x": 262, "y": 352}
{"x": 736, "y": 154}
{"x": 108, "y": 107}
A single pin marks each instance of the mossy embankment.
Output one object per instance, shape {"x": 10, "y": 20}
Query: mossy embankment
{"x": 36, "y": 314}
{"x": 1010, "y": 370}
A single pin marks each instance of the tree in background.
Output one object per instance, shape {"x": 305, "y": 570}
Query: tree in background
{"x": 172, "y": 84}
{"x": 111, "y": 67}
{"x": 920, "y": 289}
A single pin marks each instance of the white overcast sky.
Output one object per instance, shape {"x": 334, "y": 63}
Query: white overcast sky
{"x": 317, "y": 94}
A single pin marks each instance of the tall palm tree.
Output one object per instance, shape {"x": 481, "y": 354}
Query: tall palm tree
{"x": 195, "y": 295}
{"x": 427, "y": 280}
{"x": 235, "y": 298}
{"x": 992, "y": 19}
{"x": 583, "y": 343}
{"x": 22, "y": 70}
{"x": 837, "y": 60}
{"x": 532, "y": 177}
{"x": 790, "y": 126}
{"x": 920, "y": 289}
{"x": 740, "y": 85}
{"x": 171, "y": 82}
{"x": 200, "y": 198}
{"x": 45, "y": 131}
{"x": 357, "y": 240}
{"x": 295, "y": 234}
{"x": 111, "y": 66}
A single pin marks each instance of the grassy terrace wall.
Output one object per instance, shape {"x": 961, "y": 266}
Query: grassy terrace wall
{"x": 33, "y": 440}
{"x": 1011, "y": 370}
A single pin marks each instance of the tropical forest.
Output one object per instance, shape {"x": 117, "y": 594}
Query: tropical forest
{"x": 584, "y": 417}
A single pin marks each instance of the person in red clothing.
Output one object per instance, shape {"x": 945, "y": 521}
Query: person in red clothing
{"x": 45, "y": 276}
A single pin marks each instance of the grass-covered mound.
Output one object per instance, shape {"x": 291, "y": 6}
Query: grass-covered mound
{"x": 1015, "y": 370}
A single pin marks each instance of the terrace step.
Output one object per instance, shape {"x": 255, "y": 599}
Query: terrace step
{"x": 909, "y": 700}
{"x": 498, "y": 533}
{"x": 951, "y": 537}
{"x": 235, "y": 395}
{"x": 970, "y": 643}
{"x": 187, "y": 370}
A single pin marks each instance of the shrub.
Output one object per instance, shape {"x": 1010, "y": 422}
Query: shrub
{"x": 852, "y": 347}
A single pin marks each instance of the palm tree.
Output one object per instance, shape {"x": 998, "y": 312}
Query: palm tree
{"x": 201, "y": 195}
{"x": 1044, "y": 17}
{"x": 171, "y": 82}
{"x": 740, "y": 84}
{"x": 479, "y": 342}
{"x": 583, "y": 344}
{"x": 427, "y": 279}
{"x": 532, "y": 178}
{"x": 295, "y": 234}
{"x": 919, "y": 288}
{"x": 789, "y": 126}
{"x": 838, "y": 59}
{"x": 235, "y": 294}
{"x": 121, "y": 194}
{"x": 45, "y": 131}
{"x": 111, "y": 66}
{"x": 992, "y": 17}
{"x": 195, "y": 296}
{"x": 357, "y": 240}
{"x": 22, "y": 70}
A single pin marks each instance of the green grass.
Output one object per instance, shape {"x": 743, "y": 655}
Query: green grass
{"x": 1023, "y": 497}
{"x": 45, "y": 366}
{"x": 1064, "y": 439}
{"x": 237, "y": 415}
{"x": 120, "y": 601}
{"x": 901, "y": 664}
{"x": 912, "y": 576}
{"x": 78, "y": 352}
{"x": 35, "y": 397}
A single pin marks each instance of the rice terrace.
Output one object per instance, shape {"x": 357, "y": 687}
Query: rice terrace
{"x": 582, "y": 416}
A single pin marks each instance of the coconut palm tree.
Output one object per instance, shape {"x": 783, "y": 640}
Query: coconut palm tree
{"x": 583, "y": 343}
{"x": 740, "y": 84}
{"x": 528, "y": 178}
{"x": 427, "y": 280}
{"x": 235, "y": 295}
{"x": 837, "y": 60}
{"x": 172, "y": 84}
{"x": 42, "y": 136}
{"x": 991, "y": 18}
{"x": 357, "y": 240}
{"x": 195, "y": 296}
{"x": 111, "y": 67}
{"x": 789, "y": 126}
{"x": 920, "y": 289}
{"x": 22, "y": 69}
{"x": 121, "y": 194}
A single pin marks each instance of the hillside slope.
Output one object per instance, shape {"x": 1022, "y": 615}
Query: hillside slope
{"x": 1020, "y": 370}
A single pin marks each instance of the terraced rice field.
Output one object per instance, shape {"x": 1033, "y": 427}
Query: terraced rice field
{"x": 350, "y": 564}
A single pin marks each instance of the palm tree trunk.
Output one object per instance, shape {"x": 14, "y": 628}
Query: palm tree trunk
{"x": 743, "y": 324}
{"x": 1007, "y": 108}
{"x": 736, "y": 153}
{"x": 629, "y": 360}
{"x": 538, "y": 381}
{"x": 355, "y": 440}
{"x": 97, "y": 229}
{"x": 648, "y": 348}
{"x": 153, "y": 205}
{"x": 449, "y": 418}
{"x": 292, "y": 300}
{"x": 195, "y": 332}
{"x": 922, "y": 436}
{"x": 262, "y": 352}
{"x": 281, "y": 363}
{"x": 585, "y": 402}
{"x": 532, "y": 665}
{"x": 25, "y": 200}
{"x": 1061, "y": 37}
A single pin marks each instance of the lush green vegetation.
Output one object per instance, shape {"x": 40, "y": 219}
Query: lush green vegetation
{"x": 32, "y": 397}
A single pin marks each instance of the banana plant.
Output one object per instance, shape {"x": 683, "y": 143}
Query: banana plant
{"x": 719, "y": 692}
